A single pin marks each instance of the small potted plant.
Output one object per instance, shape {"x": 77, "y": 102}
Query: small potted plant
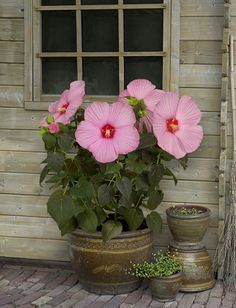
{"x": 164, "y": 273}
{"x": 188, "y": 223}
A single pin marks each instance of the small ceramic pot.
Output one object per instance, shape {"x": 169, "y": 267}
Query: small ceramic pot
{"x": 189, "y": 229}
{"x": 166, "y": 288}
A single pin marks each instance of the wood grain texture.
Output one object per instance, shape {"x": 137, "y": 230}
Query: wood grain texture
{"x": 11, "y": 74}
{"x": 11, "y": 96}
{"x": 12, "y": 52}
{"x": 202, "y": 7}
{"x": 12, "y": 8}
{"x": 200, "y": 76}
{"x": 11, "y": 29}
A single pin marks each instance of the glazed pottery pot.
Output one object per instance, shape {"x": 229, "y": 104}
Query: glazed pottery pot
{"x": 197, "y": 267}
{"x": 102, "y": 267}
{"x": 188, "y": 228}
{"x": 166, "y": 288}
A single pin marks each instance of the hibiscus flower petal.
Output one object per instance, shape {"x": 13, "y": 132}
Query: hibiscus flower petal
{"x": 43, "y": 122}
{"x": 190, "y": 137}
{"x": 153, "y": 98}
{"x": 53, "y": 107}
{"x": 122, "y": 96}
{"x": 125, "y": 140}
{"x": 159, "y": 126}
{"x": 63, "y": 99}
{"x": 140, "y": 88}
{"x": 187, "y": 111}
{"x": 103, "y": 150}
{"x": 97, "y": 113}
{"x": 86, "y": 134}
{"x": 76, "y": 92}
{"x": 121, "y": 114}
{"x": 167, "y": 106}
{"x": 171, "y": 144}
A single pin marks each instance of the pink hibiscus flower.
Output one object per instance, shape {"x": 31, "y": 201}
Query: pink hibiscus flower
{"x": 53, "y": 127}
{"x": 144, "y": 95}
{"x": 175, "y": 124}
{"x": 108, "y": 130}
{"x": 68, "y": 103}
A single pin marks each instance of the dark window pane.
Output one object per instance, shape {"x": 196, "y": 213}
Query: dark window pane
{"x": 57, "y": 73}
{"x": 88, "y": 2}
{"x": 58, "y": 2}
{"x": 144, "y": 68}
{"x": 100, "y": 30}
{"x": 58, "y": 31}
{"x": 143, "y": 30}
{"x": 101, "y": 76}
{"x": 142, "y": 1}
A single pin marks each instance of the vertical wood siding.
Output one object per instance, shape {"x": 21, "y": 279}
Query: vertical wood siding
{"x": 26, "y": 230}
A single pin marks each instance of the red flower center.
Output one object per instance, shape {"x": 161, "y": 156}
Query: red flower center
{"x": 172, "y": 125}
{"x": 108, "y": 131}
{"x": 63, "y": 108}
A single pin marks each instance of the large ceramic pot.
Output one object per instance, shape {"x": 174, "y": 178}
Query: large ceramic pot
{"x": 188, "y": 228}
{"x": 166, "y": 288}
{"x": 102, "y": 267}
{"x": 197, "y": 267}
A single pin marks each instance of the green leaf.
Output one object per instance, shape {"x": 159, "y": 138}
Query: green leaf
{"x": 43, "y": 174}
{"x": 125, "y": 187}
{"x": 135, "y": 165}
{"x": 105, "y": 194}
{"x": 154, "y": 221}
{"x": 112, "y": 168}
{"x": 134, "y": 217}
{"x": 170, "y": 173}
{"x": 85, "y": 189}
{"x": 88, "y": 221}
{"x": 141, "y": 182}
{"x": 69, "y": 226}
{"x": 155, "y": 198}
{"x": 166, "y": 156}
{"x": 155, "y": 174}
{"x": 147, "y": 140}
{"x": 111, "y": 229}
{"x": 65, "y": 142}
{"x": 63, "y": 128}
{"x": 55, "y": 160}
{"x": 60, "y": 207}
{"x": 101, "y": 215}
{"x": 50, "y": 140}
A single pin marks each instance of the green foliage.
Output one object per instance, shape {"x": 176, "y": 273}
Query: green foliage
{"x": 186, "y": 211}
{"x": 163, "y": 265}
{"x": 110, "y": 197}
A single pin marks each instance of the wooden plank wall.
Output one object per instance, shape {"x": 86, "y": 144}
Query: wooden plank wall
{"x": 26, "y": 230}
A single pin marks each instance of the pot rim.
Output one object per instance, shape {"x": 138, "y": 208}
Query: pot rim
{"x": 206, "y": 212}
{"x": 124, "y": 234}
{"x": 177, "y": 275}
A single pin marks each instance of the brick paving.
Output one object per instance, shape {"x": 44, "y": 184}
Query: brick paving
{"x": 47, "y": 286}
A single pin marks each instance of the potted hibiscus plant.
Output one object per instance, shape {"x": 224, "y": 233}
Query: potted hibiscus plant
{"x": 105, "y": 163}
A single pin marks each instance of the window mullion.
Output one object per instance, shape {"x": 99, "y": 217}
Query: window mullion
{"x": 37, "y": 39}
{"x": 166, "y": 47}
{"x": 79, "y": 40}
{"x": 121, "y": 46}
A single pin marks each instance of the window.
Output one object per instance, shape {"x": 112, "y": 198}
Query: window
{"x": 107, "y": 43}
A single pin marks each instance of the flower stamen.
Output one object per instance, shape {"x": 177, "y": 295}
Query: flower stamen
{"x": 63, "y": 109}
{"x": 108, "y": 131}
{"x": 172, "y": 125}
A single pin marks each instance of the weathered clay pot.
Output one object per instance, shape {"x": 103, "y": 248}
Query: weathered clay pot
{"x": 197, "y": 267}
{"x": 188, "y": 228}
{"x": 101, "y": 267}
{"x": 166, "y": 288}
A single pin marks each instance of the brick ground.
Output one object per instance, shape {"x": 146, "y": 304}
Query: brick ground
{"x": 27, "y": 286}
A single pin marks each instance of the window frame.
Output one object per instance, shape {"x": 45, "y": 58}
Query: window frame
{"x": 34, "y": 100}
